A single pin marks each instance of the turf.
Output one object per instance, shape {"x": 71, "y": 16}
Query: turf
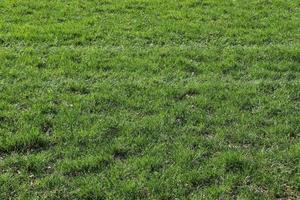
{"x": 149, "y": 99}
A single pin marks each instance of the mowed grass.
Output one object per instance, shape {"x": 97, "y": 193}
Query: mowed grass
{"x": 149, "y": 99}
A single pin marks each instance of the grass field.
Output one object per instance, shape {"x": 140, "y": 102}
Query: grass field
{"x": 149, "y": 99}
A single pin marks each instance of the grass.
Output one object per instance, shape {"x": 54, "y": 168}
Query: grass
{"x": 153, "y": 99}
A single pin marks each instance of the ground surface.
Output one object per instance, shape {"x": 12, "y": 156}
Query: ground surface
{"x": 149, "y": 99}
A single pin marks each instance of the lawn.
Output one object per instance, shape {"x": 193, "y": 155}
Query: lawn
{"x": 149, "y": 99}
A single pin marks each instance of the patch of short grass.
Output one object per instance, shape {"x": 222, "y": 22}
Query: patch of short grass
{"x": 149, "y": 99}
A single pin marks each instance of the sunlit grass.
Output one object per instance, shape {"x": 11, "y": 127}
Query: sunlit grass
{"x": 152, "y": 99}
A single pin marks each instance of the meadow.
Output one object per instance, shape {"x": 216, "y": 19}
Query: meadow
{"x": 149, "y": 99}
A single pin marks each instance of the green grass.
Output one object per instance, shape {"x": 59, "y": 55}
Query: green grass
{"x": 149, "y": 99}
